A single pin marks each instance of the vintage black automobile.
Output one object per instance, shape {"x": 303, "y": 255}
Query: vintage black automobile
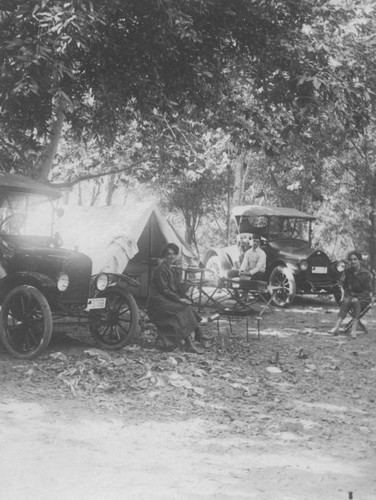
{"x": 42, "y": 285}
{"x": 293, "y": 266}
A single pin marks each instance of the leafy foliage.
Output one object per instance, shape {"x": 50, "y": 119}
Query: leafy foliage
{"x": 270, "y": 102}
{"x": 95, "y": 58}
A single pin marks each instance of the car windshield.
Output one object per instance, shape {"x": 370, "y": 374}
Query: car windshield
{"x": 21, "y": 214}
{"x": 286, "y": 227}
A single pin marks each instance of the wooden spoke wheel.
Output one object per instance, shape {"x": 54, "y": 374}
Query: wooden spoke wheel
{"x": 114, "y": 326}
{"x": 25, "y": 322}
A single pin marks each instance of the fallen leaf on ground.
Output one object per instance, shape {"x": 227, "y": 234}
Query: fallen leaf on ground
{"x": 97, "y": 353}
{"x": 59, "y": 355}
{"x": 181, "y": 383}
{"x": 273, "y": 369}
{"x": 199, "y": 390}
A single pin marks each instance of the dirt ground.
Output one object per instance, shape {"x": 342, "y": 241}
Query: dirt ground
{"x": 289, "y": 414}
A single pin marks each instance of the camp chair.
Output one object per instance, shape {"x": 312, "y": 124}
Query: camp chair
{"x": 364, "y": 311}
{"x": 193, "y": 280}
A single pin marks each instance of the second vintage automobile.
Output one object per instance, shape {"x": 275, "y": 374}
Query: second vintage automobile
{"x": 293, "y": 265}
{"x": 43, "y": 285}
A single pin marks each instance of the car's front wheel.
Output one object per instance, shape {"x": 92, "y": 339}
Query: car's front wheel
{"x": 282, "y": 286}
{"x": 114, "y": 326}
{"x": 25, "y": 322}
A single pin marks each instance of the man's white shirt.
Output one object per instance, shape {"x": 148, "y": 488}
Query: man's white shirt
{"x": 254, "y": 261}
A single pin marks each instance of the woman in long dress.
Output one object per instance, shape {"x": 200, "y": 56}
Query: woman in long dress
{"x": 168, "y": 309}
{"x": 358, "y": 292}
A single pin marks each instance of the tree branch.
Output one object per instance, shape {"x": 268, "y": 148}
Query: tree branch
{"x": 80, "y": 178}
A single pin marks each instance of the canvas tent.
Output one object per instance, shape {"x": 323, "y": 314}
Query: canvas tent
{"x": 121, "y": 238}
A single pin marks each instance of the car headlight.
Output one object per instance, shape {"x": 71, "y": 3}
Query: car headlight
{"x": 102, "y": 282}
{"x": 303, "y": 265}
{"x": 62, "y": 282}
{"x": 341, "y": 266}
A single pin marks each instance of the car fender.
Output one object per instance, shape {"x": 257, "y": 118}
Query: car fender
{"x": 120, "y": 279}
{"x": 123, "y": 280}
{"x": 291, "y": 267}
{"x": 40, "y": 281}
{"x": 224, "y": 257}
{"x": 128, "y": 281}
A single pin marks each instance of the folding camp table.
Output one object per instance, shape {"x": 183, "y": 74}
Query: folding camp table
{"x": 241, "y": 292}
{"x": 245, "y": 292}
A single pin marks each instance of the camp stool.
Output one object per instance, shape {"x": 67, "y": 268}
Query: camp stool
{"x": 348, "y": 326}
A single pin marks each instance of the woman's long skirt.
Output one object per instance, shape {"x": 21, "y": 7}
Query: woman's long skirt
{"x": 174, "y": 320}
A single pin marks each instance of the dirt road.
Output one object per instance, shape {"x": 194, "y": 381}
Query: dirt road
{"x": 288, "y": 416}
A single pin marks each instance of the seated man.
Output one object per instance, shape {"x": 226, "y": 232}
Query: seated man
{"x": 254, "y": 262}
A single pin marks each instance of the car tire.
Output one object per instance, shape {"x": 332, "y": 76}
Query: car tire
{"x": 25, "y": 322}
{"x": 114, "y": 326}
{"x": 283, "y": 287}
{"x": 213, "y": 268}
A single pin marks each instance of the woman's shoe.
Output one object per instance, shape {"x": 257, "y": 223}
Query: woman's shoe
{"x": 334, "y": 331}
{"x": 353, "y": 332}
{"x": 354, "y": 328}
{"x": 336, "y": 327}
{"x": 191, "y": 346}
{"x": 201, "y": 337}
{"x": 164, "y": 344}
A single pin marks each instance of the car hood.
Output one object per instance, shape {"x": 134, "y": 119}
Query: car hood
{"x": 32, "y": 255}
{"x": 293, "y": 249}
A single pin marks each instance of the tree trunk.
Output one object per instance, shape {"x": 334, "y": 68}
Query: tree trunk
{"x": 228, "y": 213}
{"x": 372, "y": 217}
{"x": 239, "y": 173}
{"x": 45, "y": 162}
{"x": 190, "y": 231}
{"x": 95, "y": 194}
{"x": 66, "y": 196}
{"x": 188, "y": 228}
{"x": 79, "y": 194}
{"x": 110, "y": 189}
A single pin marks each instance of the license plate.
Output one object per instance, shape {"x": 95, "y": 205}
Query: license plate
{"x": 98, "y": 303}
{"x": 319, "y": 270}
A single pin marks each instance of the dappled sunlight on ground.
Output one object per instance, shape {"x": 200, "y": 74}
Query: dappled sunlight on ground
{"x": 157, "y": 460}
{"x": 309, "y": 310}
{"x": 286, "y": 412}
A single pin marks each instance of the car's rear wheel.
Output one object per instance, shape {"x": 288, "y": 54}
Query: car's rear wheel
{"x": 213, "y": 268}
{"x": 114, "y": 326}
{"x": 282, "y": 285}
{"x": 25, "y": 322}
